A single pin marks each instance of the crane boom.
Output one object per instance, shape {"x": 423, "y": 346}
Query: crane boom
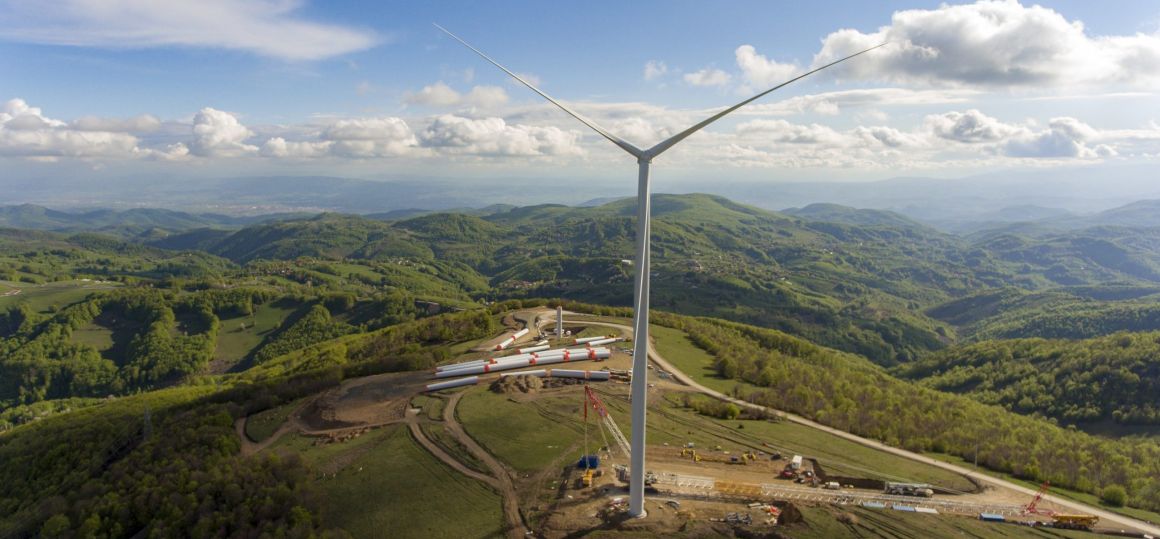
{"x": 1033, "y": 507}
{"x": 606, "y": 418}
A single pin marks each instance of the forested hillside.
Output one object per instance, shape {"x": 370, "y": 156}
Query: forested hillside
{"x": 167, "y": 462}
{"x": 857, "y": 280}
{"x": 1107, "y": 378}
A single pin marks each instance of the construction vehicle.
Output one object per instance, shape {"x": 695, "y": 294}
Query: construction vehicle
{"x": 586, "y": 480}
{"x": 909, "y": 489}
{"x": 1074, "y": 522}
{"x": 650, "y": 478}
{"x": 1059, "y": 520}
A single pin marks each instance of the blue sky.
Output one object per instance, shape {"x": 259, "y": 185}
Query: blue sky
{"x": 373, "y": 90}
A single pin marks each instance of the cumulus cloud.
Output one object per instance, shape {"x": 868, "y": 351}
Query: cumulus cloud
{"x": 970, "y": 126}
{"x": 640, "y": 131}
{"x": 654, "y": 69}
{"x": 280, "y": 147}
{"x": 783, "y": 131}
{"x": 993, "y": 44}
{"x": 218, "y": 133}
{"x": 369, "y": 137}
{"x": 889, "y": 137}
{"x": 437, "y": 95}
{"x": 495, "y": 137}
{"x": 708, "y": 77}
{"x": 442, "y": 95}
{"x": 761, "y": 72}
{"x": 266, "y": 27}
{"x": 26, "y": 132}
{"x": 1064, "y": 137}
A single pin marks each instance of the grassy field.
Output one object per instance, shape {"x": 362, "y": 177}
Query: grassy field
{"x": 58, "y": 294}
{"x": 394, "y": 488}
{"x": 93, "y": 335}
{"x": 432, "y": 406}
{"x": 676, "y": 348}
{"x": 234, "y": 343}
{"x": 263, "y": 424}
{"x": 526, "y": 436}
{"x": 438, "y": 434}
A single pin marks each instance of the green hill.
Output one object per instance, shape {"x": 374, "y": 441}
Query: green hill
{"x": 1113, "y": 378}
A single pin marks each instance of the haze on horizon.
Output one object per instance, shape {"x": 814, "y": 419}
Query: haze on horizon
{"x": 175, "y": 92}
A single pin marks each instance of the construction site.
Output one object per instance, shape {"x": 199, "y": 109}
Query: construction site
{"x": 538, "y": 416}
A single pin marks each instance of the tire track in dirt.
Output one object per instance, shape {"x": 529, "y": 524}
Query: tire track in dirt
{"x": 437, "y": 452}
{"x": 503, "y": 480}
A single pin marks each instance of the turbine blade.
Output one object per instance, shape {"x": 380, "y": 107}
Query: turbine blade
{"x": 625, "y": 145}
{"x": 673, "y": 140}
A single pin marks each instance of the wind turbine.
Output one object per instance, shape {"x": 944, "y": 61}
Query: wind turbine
{"x": 640, "y": 344}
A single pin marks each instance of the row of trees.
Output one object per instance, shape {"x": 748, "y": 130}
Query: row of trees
{"x": 849, "y": 393}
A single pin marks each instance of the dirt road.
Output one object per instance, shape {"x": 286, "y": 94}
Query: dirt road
{"x": 1106, "y": 518}
{"x": 511, "y": 501}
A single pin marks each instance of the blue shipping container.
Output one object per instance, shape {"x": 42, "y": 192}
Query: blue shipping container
{"x": 588, "y": 462}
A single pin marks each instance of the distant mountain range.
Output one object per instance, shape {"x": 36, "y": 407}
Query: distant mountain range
{"x": 153, "y": 223}
{"x": 958, "y": 205}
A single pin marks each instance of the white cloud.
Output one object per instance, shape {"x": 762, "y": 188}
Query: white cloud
{"x": 138, "y": 124}
{"x": 761, "y": 72}
{"x": 436, "y": 95}
{"x": 783, "y": 131}
{"x": 495, "y": 137}
{"x": 486, "y": 96}
{"x": 26, "y": 132}
{"x": 265, "y": 27}
{"x": 369, "y": 137}
{"x": 993, "y": 44}
{"x": 970, "y": 126}
{"x": 219, "y": 134}
{"x": 442, "y": 95}
{"x": 829, "y": 102}
{"x": 890, "y": 137}
{"x": 1064, "y": 137}
{"x": 654, "y": 69}
{"x": 280, "y": 147}
{"x": 708, "y": 77}
{"x": 640, "y": 131}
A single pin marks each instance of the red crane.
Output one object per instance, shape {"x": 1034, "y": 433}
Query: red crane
{"x": 590, "y": 399}
{"x": 1033, "y": 507}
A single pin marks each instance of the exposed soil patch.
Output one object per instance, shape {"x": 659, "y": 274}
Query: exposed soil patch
{"x": 372, "y": 400}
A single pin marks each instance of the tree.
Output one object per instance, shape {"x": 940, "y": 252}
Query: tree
{"x": 1114, "y": 495}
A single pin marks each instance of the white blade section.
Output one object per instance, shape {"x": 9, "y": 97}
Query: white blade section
{"x": 671, "y": 141}
{"x": 625, "y": 145}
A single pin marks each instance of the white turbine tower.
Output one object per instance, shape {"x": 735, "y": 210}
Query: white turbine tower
{"x": 640, "y": 282}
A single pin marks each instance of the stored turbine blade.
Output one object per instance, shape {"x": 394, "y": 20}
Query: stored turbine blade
{"x": 626, "y": 146}
{"x": 671, "y": 141}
